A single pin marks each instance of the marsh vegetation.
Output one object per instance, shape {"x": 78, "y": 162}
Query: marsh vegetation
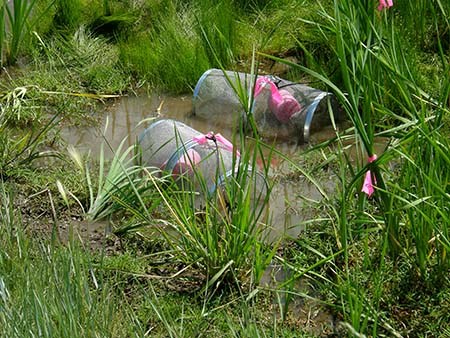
{"x": 97, "y": 245}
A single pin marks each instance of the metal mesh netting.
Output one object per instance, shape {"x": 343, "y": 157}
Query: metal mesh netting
{"x": 173, "y": 147}
{"x": 214, "y": 98}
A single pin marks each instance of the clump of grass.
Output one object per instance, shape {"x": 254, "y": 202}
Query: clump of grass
{"x": 219, "y": 39}
{"x": 380, "y": 92}
{"x": 118, "y": 187}
{"x": 19, "y": 107}
{"x": 28, "y": 269}
{"x": 19, "y": 147}
{"x": 425, "y": 207}
{"x": 91, "y": 62}
{"x": 70, "y": 81}
{"x": 169, "y": 58}
{"x": 68, "y": 14}
{"x": 429, "y": 29}
{"x": 225, "y": 239}
{"x": 17, "y": 20}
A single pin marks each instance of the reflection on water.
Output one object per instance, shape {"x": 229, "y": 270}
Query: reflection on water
{"x": 125, "y": 119}
{"x": 128, "y": 116}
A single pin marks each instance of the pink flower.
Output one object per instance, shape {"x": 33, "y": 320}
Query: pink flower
{"x": 369, "y": 181}
{"x": 368, "y": 185}
{"x": 385, "y": 4}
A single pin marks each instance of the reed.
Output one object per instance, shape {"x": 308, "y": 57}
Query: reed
{"x": 378, "y": 85}
{"x": 17, "y": 23}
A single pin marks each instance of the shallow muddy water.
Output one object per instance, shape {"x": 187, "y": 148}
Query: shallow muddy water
{"x": 290, "y": 204}
{"x": 127, "y": 117}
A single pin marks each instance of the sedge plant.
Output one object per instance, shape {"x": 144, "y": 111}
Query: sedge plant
{"x": 223, "y": 234}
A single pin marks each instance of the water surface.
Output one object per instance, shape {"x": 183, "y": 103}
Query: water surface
{"x": 128, "y": 116}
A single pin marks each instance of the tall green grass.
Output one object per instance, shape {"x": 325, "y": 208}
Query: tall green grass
{"x": 179, "y": 48}
{"x": 376, "y": 74}
{"x": 422, "y": 195}
{"x": 20, "y": 147}
{"x": 17, "y": 20}
{"x": 426, "y": 22}
{"x": 48, "y": 289}
{"x": 405, "y": 222}
{"x": 89, "y": 61}
{"x": 68, "y": 14}
{"x": 216, "y": 27}
{"x": 2, "y": 33}
{"x": 225, "y": 238}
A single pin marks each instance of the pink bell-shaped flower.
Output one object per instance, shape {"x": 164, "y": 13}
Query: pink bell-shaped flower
{"x": 369, "y": 181}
